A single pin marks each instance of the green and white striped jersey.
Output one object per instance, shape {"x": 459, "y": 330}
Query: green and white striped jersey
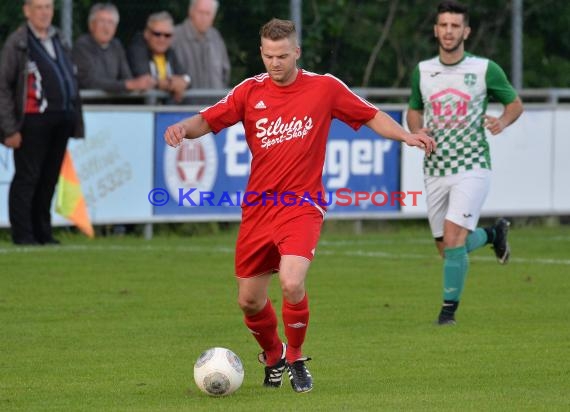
{"x": 454, "y": 99}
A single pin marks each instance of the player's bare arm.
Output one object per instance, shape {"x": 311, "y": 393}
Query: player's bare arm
{"x": 190, "y": 128}
{"x": 415, "y": 120}
{"x": 384, "y": 125}
{"x": 511, "y": 113}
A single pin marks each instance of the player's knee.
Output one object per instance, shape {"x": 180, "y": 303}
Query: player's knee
{"x": 250, "y": 306}
{"x": 293, "y": 290}
{"x": 453, "y": 242}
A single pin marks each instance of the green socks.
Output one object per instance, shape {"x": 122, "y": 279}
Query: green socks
{"x": 455, "y": 266}
{"x": 479, "y": 237}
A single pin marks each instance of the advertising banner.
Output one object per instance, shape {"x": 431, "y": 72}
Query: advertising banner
{"x": 129, "y": 175}
{"x": 207, "y": 177}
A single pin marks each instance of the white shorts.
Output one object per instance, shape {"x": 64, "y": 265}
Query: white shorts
{"x": 458, "y": 198}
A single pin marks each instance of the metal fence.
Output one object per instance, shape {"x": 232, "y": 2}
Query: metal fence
{"x": 376, "y": 95}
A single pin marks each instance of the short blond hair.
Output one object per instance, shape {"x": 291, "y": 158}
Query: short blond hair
{"x": 277, "y": 29}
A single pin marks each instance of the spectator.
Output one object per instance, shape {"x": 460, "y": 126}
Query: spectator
{"x": 151, "y": 53}
{"x": 200, "y": 47}
{"x": 101, "y": 59}
{"x": 41, "y": 109}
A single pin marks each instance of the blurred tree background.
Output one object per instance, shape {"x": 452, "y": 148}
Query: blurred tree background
{"x": 366, "y": 43}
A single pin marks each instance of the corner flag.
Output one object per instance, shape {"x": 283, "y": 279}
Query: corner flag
{"x": 70, "y": 202}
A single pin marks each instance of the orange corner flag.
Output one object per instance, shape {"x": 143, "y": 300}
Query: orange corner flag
{"x": 70, "y": 202}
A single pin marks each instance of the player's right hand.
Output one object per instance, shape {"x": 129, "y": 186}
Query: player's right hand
{"x": 174, "y": 135}
{"x": 421, "y": 140}
{"x": 425, "y": 131}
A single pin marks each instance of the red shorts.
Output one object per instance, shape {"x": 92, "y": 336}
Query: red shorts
{"x": 269, "y": 232}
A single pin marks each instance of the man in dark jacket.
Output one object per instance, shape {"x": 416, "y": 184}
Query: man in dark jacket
{"x": 100, "y": 57}
{"x": 40, "y": 110}
{"x": 151, "y": 53}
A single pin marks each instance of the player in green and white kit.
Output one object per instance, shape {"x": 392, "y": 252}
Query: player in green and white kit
{"x": 449, "y": 99}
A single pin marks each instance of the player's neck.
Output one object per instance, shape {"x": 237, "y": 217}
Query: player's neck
{"x": 451, "y": 57}
{"x": 288, "y": 81}
{"x": 293, "y": 77}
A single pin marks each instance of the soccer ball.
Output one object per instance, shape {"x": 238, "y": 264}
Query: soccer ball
{"x": 218, "y": 372}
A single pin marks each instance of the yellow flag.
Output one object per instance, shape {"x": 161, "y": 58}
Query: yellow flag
{"x": 70, "y": 202}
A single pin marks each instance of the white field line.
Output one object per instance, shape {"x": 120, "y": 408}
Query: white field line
{"x": 230, "y": 250}
{"x": 385, "y": 255}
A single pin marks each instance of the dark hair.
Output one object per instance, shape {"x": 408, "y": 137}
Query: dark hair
{"x": 276, "y": 29}
{"x": 451, "y": 6}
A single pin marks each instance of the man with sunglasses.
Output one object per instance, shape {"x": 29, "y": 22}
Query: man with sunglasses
{"x": 151, "y": 53}
{"x": 100, "y": 57}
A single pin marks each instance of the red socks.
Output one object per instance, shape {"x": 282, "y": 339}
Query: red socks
{"x": 295, "y": 321}
{"x": 263, "y": 327}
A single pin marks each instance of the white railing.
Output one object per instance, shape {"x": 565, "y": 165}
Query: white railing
{"x": 374, "y": 94}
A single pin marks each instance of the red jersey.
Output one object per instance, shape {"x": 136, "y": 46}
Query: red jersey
{"x": 287, "y": 127}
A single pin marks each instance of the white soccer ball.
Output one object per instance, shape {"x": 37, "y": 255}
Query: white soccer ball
{"x": 218, "y": 372}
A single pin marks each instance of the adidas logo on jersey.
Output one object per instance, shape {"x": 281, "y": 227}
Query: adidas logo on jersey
{"x": 260, "y": 105}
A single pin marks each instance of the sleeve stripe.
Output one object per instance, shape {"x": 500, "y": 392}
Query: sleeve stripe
{"x": 366, "y": 102}
{"x": 260, "y": 78}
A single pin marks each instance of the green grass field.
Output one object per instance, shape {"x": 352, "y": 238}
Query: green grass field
{"x": 115, "y": 324}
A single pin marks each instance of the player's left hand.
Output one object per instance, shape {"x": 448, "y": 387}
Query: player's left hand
{"x": 421, "y": 140}
{"x": 493, "y": 124}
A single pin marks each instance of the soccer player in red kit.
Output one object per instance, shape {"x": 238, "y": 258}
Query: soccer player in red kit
{"x": 286, "y": 114}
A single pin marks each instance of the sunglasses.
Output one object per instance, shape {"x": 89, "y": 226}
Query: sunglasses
{"x": 160, "y": 34}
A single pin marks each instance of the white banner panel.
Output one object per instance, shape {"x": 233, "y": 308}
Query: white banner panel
{"x": 521, "y": 158}
{"x": 412, "y": 178}
{"x": 6, "y": 173}
{"x": 561, "y": 167}
{"x": 114, "y": 164}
